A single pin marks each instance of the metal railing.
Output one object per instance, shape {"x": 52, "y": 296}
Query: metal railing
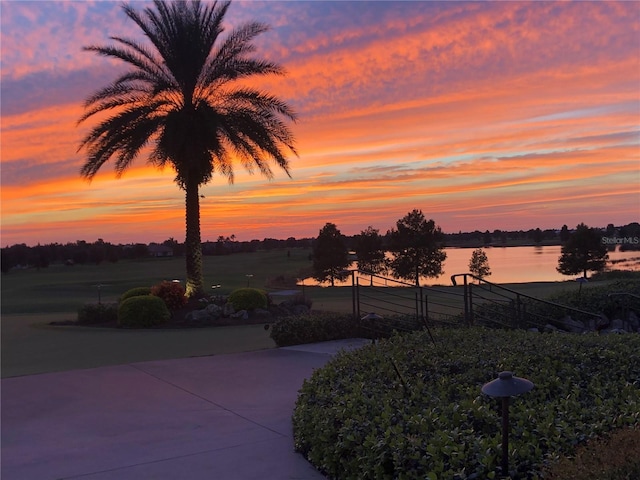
{"x": 470, "y": 301}
{"x": 491, "y": 304}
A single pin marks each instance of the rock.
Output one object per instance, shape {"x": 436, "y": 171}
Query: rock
{"x": 241, "y": 315}
{"x": 228, "y": 309}
{"x": 616, "y": 324}
{"x": 618, "y": 331}
{"x": 533, "y": 329}
{"x": 214, "y": 310}
{"x": 261, "y": 313}
{"x": 300, "y": 310}
{"x": 571, "y": 325}
{"x": 197, "y": 316}
{"x": 548, "y": 328}
{"x": 634, "y": 322}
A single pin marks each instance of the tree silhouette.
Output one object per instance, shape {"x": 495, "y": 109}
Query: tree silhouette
{"x": 583, "y": 252}
{"x": 479, "y": 263}
{"x": 370, "y": 253}
{"x": 182, "y": 98}
{"x": 417, "y": 248}
{"x": 330, "y": 255}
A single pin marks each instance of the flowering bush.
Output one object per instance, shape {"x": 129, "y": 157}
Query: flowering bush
{"x": 172, "y": 293}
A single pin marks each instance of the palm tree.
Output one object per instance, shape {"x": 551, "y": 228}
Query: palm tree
{"x": 180, "y": 98}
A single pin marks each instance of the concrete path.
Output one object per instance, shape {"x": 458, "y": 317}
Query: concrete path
{"x": 225, "y": 417}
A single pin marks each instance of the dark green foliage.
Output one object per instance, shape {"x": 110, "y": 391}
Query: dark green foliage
{"x": 300, "y": 329}
{"x": 248, "y": 299}
{"x": 355, "y": 419}
{"x": 601, "y": 299}
{"x": 97, "y": 313}
{"x": 417, "y": 247}
{"x": 479, "y": 263}
{"x": 583, "y": 252}
{"x": 172, "y": 293}
{"x": 135, "y": 292}
{"x": 143, "y": 312}
{"x": 330, "y": 255}
{"x": 370, "y": 252}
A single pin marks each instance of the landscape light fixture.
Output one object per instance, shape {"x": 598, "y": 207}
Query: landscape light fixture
{"x": 505, "y": 386}
{"x": 249, "y": 276}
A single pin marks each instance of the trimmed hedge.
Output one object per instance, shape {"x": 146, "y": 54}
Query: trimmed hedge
{"x": 135, "y": 292}
{"x": 408, "y": 409}
{"x": 142, "y": 312}
{"x": 248, "y": 299}
{"x": 299, "y": 329}
{"x": 97, "y": 313}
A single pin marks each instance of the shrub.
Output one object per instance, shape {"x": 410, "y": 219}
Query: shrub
{"x": 248, "y": 299}
{"x": 135, "y": 292}
{"x": 299, "y": 329}
{"x": 143, "y": 311}
{"x": 97, "y": 313}
{"x": 406, "y": 408}
{"x": 172, "y": 293}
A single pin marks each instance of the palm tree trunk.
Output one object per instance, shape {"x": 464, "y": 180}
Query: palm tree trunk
{"x": 193, "y": 246}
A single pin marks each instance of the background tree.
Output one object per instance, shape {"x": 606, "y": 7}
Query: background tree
{"x": 330, "y": 255}
{"x": 417, "y": 248}
{"x": 370, "y": 253}
{"x": 479, "y": 263}
{"x": 583, "y": 252}
{"x": 182, "y": 98}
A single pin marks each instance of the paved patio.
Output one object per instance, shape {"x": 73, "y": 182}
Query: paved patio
{"x": 215, "y": 417}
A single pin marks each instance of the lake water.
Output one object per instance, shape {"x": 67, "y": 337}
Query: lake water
{"x": 516, "y": 264}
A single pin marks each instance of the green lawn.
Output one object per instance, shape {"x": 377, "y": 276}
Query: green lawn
{"x": 64, "y": 289}
{"x": 31, "y": 299}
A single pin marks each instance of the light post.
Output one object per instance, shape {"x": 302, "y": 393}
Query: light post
{"x": 505, "y": 386}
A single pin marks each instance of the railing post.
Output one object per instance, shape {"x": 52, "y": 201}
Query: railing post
{"x": 353, "y": 295}
{"x": 357, "y": 301}
{"x": 472, "y": 319}
{"x": 466, "y": 302}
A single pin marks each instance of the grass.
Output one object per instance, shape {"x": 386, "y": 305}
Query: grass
{"x": 64, "y": 289}
{"x": 31, "y": 346}
{"x": 31, "y": 299}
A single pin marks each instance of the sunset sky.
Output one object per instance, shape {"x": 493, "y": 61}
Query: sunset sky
{"x": 490, "y": 115}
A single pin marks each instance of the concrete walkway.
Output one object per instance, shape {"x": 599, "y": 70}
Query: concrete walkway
{"x": 223, "y": 417}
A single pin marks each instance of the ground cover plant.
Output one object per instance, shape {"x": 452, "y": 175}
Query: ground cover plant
{"x": 407, "y": 408}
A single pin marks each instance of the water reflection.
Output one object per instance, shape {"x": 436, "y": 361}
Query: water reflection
{"x": 514, "y": 265}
